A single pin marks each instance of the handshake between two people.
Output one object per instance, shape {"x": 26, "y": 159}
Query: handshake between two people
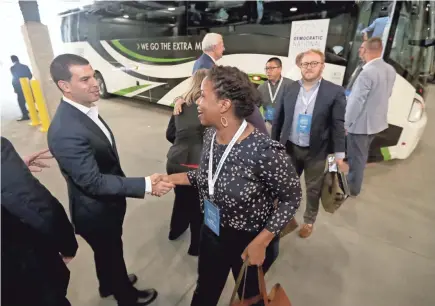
{"x": 161, "y": 184}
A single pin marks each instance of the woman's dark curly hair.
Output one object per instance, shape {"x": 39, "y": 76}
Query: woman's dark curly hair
{"x": 232, "y": 84}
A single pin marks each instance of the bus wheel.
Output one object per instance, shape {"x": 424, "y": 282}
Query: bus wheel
{"x": 103, "y": 89}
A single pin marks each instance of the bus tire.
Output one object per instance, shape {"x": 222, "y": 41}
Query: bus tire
{"x": 102, "y": 85}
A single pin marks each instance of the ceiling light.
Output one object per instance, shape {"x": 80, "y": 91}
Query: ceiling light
{"x": 171, "y": 8}
{"x": 126, "y": 16}
{"x": 293, "y": 9}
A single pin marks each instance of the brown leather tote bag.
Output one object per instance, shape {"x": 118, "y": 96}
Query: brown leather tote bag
{"x": 276, "y": 297}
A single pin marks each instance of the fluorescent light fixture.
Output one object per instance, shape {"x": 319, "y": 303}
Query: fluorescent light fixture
{"x": 293, "y": 9}
{"x": 171, "y": 8}
{"x": 126, "y": 16}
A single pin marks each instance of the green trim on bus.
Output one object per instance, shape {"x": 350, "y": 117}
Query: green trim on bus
{"x": 259, "y": 82}
{"x": 138, "y": 56}
{"x": 386, "y": 153}
{"x": 128, "y": 90}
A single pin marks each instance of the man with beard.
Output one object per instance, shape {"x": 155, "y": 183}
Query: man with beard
{"x": 309, "y": 121}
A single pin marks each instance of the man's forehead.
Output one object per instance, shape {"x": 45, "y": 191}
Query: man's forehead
{"x": 81, "y": 70}
{"x": 311, "y": 57}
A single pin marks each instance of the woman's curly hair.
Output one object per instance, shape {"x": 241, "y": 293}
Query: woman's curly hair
{"x": 232, "y": 84}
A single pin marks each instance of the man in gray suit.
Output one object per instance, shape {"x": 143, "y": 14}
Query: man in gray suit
{"x": 367, "y": 108}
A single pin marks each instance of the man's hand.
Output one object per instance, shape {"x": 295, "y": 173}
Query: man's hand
{"x": 157, "y": 177}
{"x": 178, "y": 107}
{"x": 161, "y": 188}
{"x": 34, "y": 161}
{"x": 255, "y": 252}
{"x": 340, "y": 163}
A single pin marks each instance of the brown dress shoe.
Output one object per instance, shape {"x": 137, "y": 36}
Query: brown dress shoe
{"x": 306, "y": 230}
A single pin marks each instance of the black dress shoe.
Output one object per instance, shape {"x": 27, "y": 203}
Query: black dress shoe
{"x": 174, "y": 235}
{"x": 106, "y": 293}
{"x": 23, "y": 119}
{"x": 145, "y": 297}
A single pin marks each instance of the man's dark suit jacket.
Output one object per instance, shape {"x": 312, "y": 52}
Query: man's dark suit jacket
{"x": 19, "y": 71}
{"x": 97, "y": 186}
{"x": 327, "y": 125}
{"x": 203, "y": 62}
{"x": 35, "y": 229}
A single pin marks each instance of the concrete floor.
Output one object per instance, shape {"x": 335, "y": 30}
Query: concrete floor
{"x": 378, "y": 249}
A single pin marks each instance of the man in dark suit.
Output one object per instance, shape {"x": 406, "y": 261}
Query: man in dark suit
{"x": 37, "y": 237}
{"x": 213, "y": 48}
{"x": 309, "y": 121}
{"x": 18, "y": 71}
{"x": 85, "y": 149}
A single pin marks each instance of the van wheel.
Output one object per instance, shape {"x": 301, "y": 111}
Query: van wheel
{"x": 102, "y": 85}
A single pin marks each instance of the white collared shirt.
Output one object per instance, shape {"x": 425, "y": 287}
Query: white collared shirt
{"x": 92, "y": 113}
{"x": 371, "y": 62}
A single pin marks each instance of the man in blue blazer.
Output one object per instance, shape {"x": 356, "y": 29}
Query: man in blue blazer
{"x": 18, "y": 71}
{"x": 213, "y": 48}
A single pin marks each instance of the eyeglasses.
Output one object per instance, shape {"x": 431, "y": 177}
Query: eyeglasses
{"x": 312, "y": 64}
{"x": 270, "y": 68}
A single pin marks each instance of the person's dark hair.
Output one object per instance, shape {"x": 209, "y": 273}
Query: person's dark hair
{"x": 232, "y": 84}
{"x": 59, "y": 68}
{"x": 14, "y": 58}
{"x": 275, "y": 60}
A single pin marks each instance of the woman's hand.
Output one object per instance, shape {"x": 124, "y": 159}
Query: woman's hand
{"x": 255, "y": 252}
{"x": 178, "y": 107}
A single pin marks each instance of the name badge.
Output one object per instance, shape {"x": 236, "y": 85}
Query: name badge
{"x": 304, "y": 124}
{"x": 269, "y": 114}
{"x": 211, "y": 216}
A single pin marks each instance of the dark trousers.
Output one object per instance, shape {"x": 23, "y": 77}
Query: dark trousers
{"x": 313, "y": 170}
{"x": 110, "y": 266}
{"x": 22, "y": 104}
{"x": 219, "y": 255}
{"x": 358, "y": 146}
{"x": 187, "y": 212}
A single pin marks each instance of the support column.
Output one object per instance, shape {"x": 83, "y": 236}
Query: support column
{"x": 38, "y": 44}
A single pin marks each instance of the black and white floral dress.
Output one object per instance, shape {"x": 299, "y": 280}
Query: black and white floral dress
{"x": 256, "y": 172}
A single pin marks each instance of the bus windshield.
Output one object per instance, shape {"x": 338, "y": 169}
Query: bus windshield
{"x": 411, "y": 52}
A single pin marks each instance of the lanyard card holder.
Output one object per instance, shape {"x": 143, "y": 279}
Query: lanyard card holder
{"x": 212, "y": 217}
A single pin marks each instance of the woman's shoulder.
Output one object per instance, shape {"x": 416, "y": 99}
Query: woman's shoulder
{"x": 265, "y": 146}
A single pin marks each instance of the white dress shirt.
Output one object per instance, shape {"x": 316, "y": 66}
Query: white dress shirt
{"x": 92, "y": 113}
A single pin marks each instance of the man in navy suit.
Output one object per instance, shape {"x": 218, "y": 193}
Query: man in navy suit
{"x": 18, "y": 71}
{"x": 213, "y": 48}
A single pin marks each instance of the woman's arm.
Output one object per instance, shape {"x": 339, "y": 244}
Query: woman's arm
{"x": 179, "y": 179}
{"x": 185, "y": 178}
{"x": 276, "y": 171}
{"x": 282, "y": 181}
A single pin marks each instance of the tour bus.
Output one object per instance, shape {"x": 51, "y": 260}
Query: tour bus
{"x": 146, "y": 49}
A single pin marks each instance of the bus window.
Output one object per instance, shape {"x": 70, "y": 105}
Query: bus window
{"x": 408, "y": 53}
{"x": 130, "y": 20}
{"x": 274, "y": 18}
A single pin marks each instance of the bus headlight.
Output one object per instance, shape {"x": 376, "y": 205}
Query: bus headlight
{"x": 417, "y": 111}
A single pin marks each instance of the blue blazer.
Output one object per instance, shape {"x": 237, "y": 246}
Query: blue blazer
{"x": 19, "y": 71}
{"x": 203, "y": 62}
